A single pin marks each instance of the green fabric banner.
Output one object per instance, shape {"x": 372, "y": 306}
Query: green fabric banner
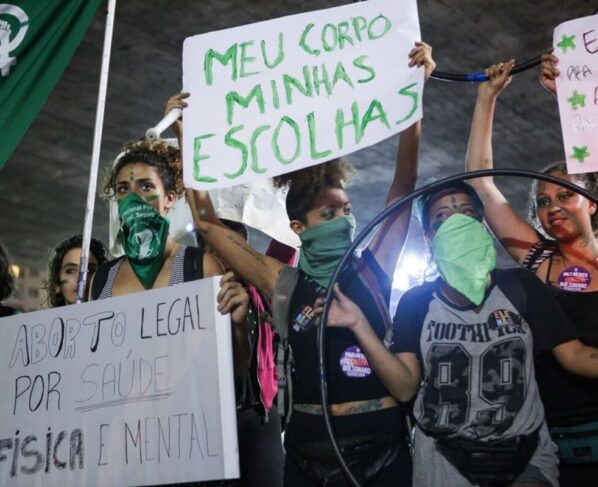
{"x": 37, "y": 41}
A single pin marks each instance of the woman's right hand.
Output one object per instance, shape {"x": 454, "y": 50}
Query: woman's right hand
{"x": 548, "y": 71}
{"x": 499, "y": 77}
{"x": 177, "y": 101}
{"x": 343, "y": 312}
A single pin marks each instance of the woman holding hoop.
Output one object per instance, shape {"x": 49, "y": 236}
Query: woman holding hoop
{"x": 464, "y": 347}
{"x": 562, "y": 250}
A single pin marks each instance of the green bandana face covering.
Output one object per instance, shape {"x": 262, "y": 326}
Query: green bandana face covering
{"x": 144, "y": 234}
{"x": 464, "y": 253}
{"x": 323, "y": 246}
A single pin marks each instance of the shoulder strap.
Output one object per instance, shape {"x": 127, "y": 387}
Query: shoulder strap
{"x": 280, "y": 305}
{"x": 538, "y": 253}
{"x": 281, "y": 299}
{"x": 367, "y": 277}
{"x": 193, "y": 264}
{"x": 101, "y": 276}
{"x": 510, "y": 284}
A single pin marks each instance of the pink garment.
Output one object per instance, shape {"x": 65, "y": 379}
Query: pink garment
{"x": 267, "y": 374}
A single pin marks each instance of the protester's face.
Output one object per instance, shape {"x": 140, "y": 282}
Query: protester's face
{"x": 69, "y": 273}
{"x": 140, "y": 178}
{"x": 564, "y": 214}
{"x": 446, "y": 205}
{"x": 330, "y": 204}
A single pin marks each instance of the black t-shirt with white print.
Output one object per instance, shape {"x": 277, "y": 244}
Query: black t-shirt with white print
{"x": 478, "y": 362}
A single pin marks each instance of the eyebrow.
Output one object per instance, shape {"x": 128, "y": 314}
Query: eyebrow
{"x": 448, "y": 207}
{"x": 140, "y": 180}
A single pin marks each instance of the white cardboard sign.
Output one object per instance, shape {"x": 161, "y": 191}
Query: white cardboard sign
{"x": 276, "y": 96}
{"x": 133, "y": 390}
{"x": 576, "y": 45}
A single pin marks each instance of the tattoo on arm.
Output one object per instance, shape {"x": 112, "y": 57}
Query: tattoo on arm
{"x": 248, "y": 250}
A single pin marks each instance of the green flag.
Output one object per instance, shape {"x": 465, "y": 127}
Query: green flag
{"x": 37, "y": 41}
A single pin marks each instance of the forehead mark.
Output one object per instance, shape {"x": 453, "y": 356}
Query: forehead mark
{"x": 453, "y": 200}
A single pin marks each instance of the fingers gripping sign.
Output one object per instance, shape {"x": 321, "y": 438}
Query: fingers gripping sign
{"x": 233, "y": 298}
{"x": 549, "y": 71}
{"x": 421, "y": 55}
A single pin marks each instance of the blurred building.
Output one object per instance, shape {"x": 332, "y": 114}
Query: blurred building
{"x": 29, "y": 293}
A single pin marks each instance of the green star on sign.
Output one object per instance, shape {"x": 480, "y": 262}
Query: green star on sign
{"x": 566, "y": 43}
{"x": 580, "y": 153}
{"x": 577, "y": 100}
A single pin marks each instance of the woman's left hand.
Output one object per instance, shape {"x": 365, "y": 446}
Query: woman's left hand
{"x": 233, "y": 298}
{"x": 421, "y": 55}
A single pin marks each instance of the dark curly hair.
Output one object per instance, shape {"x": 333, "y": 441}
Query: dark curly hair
{"x": 54, "y": 298}
{"x": 165, "y": 158}
{"x": 7, "y": 282}
{"x": 589, "y": 181}
{"x": 305, "y": 185}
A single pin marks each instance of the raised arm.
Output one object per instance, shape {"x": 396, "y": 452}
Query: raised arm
{"x": 400, "y": 373}
{"x": 388, "y": 241}
{"x": 515, "y": 234}
{"x": 253, "y": 267}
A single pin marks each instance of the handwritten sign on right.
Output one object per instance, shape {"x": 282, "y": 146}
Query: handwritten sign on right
{"x": 575, "y": 43}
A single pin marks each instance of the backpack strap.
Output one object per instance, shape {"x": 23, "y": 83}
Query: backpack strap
{"x": 193, "y": 264}
{"x": 368, "y": 278}
{"x": 281, "y": 304}
{"x": 281, "y": 299}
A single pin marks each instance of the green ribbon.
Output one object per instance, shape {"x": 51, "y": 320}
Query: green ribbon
{"x": 464, "y": 253}
{"x": 144, "y": 233}
{"x": 322, "y": 247}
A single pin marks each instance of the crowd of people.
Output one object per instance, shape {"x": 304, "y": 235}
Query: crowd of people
{"x": 485, "y": 376}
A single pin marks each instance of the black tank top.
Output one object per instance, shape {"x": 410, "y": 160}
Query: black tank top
{"x": 569, "y": 399}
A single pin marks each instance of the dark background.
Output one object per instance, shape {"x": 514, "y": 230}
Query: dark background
{"x": 43, "y": 185}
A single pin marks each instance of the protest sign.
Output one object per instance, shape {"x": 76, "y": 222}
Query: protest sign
{"x": 576, "y": 45}
{"x": 276, "y": 96}
{"x": 133, "y": 390}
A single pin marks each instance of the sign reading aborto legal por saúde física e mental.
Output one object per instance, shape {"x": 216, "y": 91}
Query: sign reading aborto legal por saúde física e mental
{"x": 132, "y": 390}
{"x": 576, "y": 46}
{"x": 276, "y": 96}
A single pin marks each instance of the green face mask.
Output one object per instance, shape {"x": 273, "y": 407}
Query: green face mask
{"x": 323, "y": 246}
{"x": 144, "y": 234}
{"x": 464, "y": 254}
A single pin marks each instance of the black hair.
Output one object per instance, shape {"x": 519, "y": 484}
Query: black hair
{"x": 55, "y": 298}
{"x": 305, "y": 185}
{"x": 423, "y": 204}
{"x": 7, "y": 282}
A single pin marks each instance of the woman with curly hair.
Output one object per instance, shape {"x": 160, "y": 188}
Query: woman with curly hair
{"x": 368, "y": 422}
{"x": 146, "y": 181}
{"x": 565, "y": 257}
{"x": 7, "y": 283}
{"x": 63, "y": 269}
